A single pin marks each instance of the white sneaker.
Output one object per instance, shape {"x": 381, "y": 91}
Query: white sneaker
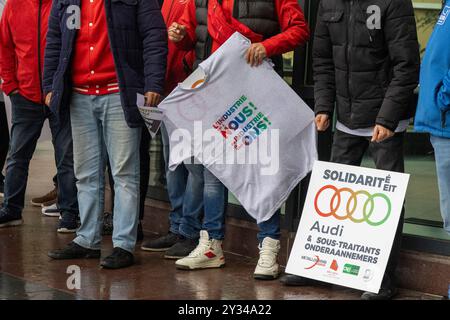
{"x": 51, "y": 211}
{"x": 208, "y": 254}
{"x": 267, "y": 267}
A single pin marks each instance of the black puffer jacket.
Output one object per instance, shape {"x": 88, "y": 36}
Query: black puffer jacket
{"x": 370, "y": 71}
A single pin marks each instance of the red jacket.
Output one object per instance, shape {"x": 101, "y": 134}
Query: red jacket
{"x": 294, "y": 29}
{"x": 93, "y": 69}
{"x": 23, "y": 30}
{"x": 176, "y": 69}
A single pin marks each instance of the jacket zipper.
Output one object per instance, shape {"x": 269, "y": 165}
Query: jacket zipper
{"x": 39, "y": 48}
{"x": 367, "y": 29}
{"x": 348, "y": 55}
{"x": 443, "y": 119}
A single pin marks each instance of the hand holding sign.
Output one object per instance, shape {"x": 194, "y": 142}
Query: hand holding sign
{"x": 152, "y": 116}
{"x": 152, "y": 99}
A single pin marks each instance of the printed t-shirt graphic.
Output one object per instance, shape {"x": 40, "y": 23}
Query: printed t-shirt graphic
{"x": 242, "y": 107}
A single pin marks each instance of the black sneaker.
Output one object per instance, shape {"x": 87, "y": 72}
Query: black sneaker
{"x": 160, "y": 244}
{"x": 9, "y": 219}
{"x": 68, "y": 223}
{"x": 292, "y": 280}
{"x": 120, "y": 258}
{"x": 383, "y": 294}
{"x": 107, "y": 224}
{"x": 181, "y": 249}
{"x": 74, "y": 251}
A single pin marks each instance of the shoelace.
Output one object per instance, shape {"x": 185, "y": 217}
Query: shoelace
{"x": 266, "y": 257}
{"x": 203, "y": 246}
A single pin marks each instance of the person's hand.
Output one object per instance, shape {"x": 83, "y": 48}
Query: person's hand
{"x": 176, "y": 32}
{"x": 152, "y": 99}
{"x": 48, "y": 98}
{"x": 322, "y": 122}
{"x": 381, "y": 133}
{"x": 256, "y": 54}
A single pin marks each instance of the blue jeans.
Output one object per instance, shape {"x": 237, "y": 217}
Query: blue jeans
{"x": 184, "y": 219}
{"x": 202, "y": 184}
{"x": 27, "y": 121}
{"x": 270, "y": 228}
{"x": 204, "y": 188}
{"x": 99, "y": 128}
{"x": 442, "y": 153}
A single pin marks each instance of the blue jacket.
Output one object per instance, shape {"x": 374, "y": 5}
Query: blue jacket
{"x": 138, "y": 39}
{"x": 433, "y": 110}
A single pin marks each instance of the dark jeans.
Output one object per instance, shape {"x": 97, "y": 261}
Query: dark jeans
{"x": 27, "y": 121}
{"x": 387, "y": 155}
{"x": 144, "y": 154}
{"x": 185, "y": 217}
{"x": 4, "y": 138}
{"x": 270, "y": 228}
{"x": 202, "y": 185}
{"x": 180, "y": 223}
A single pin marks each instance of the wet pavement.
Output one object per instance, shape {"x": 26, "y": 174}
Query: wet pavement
{"x": 27, "y": 273}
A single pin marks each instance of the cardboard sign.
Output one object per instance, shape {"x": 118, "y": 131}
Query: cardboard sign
{"x": 348, "y": 225}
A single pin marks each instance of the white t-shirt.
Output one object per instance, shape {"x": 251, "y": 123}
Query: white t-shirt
{"x": 368, "y": 132}
{"x": 242, "y": 108}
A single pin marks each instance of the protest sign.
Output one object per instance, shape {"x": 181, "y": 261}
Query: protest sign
{"x": 152, "y": 116}
{"x": 348, "y": 225}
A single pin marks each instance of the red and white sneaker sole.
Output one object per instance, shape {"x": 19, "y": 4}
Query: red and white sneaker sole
{"x": 206, "y": 265}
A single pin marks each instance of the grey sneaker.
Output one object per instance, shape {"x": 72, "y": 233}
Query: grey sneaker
{"x": 181, "y": 249}
{"x": 162, "y": 243}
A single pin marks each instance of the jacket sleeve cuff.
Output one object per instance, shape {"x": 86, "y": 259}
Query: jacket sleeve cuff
{"x": 269, "y": 47}
{"x": 153, "y": 88}
{"x": 390, "y": 114}
{"x": 387, "y": 124}
{"x": 47, "y": 90}
{"x": 9, "y": 87}
{"x": 321, "y": 109}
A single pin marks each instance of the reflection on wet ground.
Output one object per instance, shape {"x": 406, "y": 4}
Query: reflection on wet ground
{"x": 27, "y": 273}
